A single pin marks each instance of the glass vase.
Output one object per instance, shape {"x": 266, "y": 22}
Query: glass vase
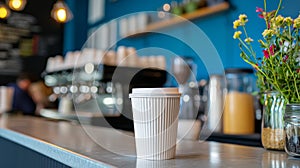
{"x": 292, "y": 129}
{"x": 272, "y": 133}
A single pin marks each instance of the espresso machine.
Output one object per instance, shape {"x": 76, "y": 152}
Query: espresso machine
{"x": 99, "y": 89}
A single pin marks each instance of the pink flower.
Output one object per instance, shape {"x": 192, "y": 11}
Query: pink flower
{"x": 272, "y": 51}
{"x": 298, "y": 70}
{"x": 285, "y": 58}
{"x": 261, "y": 16}
{"x": 266, "y": 54}
{"x": 259, "y": 10}
{"x": 272, "y": 48}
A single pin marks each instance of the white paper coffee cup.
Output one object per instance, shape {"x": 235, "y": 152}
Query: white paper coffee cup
{"x": 155, "y": 115}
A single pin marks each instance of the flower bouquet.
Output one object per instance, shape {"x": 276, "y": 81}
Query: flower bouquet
{"x": 277, "y": 68}
{"x": 278, "y": 65}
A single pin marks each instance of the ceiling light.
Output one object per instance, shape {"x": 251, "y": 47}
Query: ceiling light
{"x": 4, "y": 11}
{"x": 16, "y": 5}
{"x": 60, "y": 12}
{"x": 166, "y": 7}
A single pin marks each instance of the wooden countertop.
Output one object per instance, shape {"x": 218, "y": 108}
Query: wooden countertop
{"x": 90, "y": 146}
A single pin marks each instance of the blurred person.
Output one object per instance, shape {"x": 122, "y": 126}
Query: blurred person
{"x": 22, "y": 99}
{"x": 40, "y": 93}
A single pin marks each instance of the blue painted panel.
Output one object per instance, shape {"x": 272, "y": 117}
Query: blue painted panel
{"x": 17, "y": 156}
{"x": 75, "y": 33}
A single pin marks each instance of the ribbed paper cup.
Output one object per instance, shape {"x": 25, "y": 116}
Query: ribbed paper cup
{"x": 155, "y": 115}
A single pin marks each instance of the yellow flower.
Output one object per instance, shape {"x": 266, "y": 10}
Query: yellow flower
{"x": 248, "y": 40}
{"x": 237, "y": 34}
{"x": 279, "y": 20}
{"x": 288, "y": 20}
{"x": 236, "y": 24}
{"x": 267, "y": 32}
{"x": 273, "y": 24}
{"x": 297, "y": 22}
{"x": 243, "y": 19}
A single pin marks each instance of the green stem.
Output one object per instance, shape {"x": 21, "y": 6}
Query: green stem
{"x": 275, "y": 83}
{"x": 295, "y": 81}
{"x": 294, "y": 78}
{"x": 290, "y": 69}
{"x": 265, "y": 10}
{"x": 265, "y": 5}
{"x": 279, "y": 6}
{"x": 286, "y": 77}
{"x": 251, "y": 49}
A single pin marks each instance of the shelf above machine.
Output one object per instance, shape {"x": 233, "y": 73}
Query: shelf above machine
{"x": 202, "y": 12}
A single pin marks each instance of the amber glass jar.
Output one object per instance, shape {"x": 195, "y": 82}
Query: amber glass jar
{"x": 238, "y": 116}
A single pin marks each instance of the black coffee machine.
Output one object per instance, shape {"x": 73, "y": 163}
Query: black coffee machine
{"x": 104, "y": 89}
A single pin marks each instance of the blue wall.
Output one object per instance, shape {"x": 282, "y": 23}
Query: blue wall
{"x": 75, "y": 33}
{"x": 217, "y": 27}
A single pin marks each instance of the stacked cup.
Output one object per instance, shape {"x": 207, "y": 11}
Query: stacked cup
{"x": 155, "y": 115}
{"x": 6, "y": 98}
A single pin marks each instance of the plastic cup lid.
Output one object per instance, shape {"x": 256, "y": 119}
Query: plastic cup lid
{"x": 137, "y": 92}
